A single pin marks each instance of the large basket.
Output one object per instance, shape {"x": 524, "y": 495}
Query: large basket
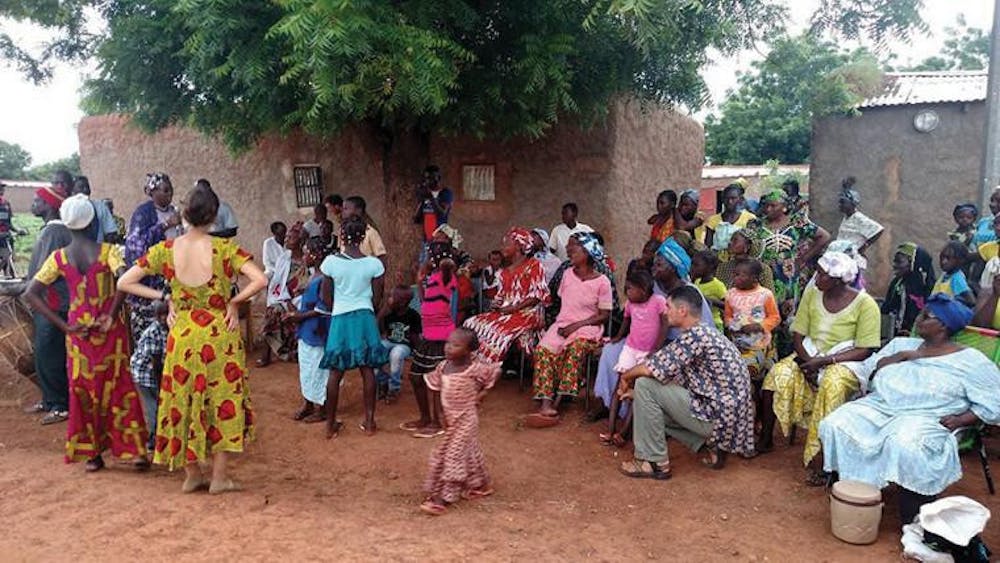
{"x": 16, "y": 335}
{"x": 985, "y": 340}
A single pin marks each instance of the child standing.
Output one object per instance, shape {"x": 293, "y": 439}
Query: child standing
{"x": 965, "y": 215}
{"x": 314, "y": 326}
{"x": 740, "y": 246}
{"x": 751, "y": 313}
{"x": 147, "y": 365}
{"x": 438, "y": 290}
{"x": 642, "y": 330}
{"x": 953, "y": 282}
{"x": 400, "y": 326}
{"x": 703, "y": 266}
{"x": 457, "y": 464}
{"x": 491, "y": 278}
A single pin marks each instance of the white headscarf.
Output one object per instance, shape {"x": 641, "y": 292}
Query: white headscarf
{"x": 77, "y": 212}
{"x": 839, "y": 265}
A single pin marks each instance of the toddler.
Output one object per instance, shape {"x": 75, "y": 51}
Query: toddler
{"x": 953, "y": 282}
{"x": 750, "y": 314}
{"x": 703, "y": 266}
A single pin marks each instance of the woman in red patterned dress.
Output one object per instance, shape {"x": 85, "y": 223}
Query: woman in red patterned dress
{"x": 517, "y": 312}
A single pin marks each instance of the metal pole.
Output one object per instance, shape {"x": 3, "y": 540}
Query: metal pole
{"x": 991, "y": 150}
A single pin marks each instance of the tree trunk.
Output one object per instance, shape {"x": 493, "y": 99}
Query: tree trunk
{"x": 404, "y": 155}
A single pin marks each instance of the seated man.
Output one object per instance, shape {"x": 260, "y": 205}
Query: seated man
{"x": 695, "y": 389}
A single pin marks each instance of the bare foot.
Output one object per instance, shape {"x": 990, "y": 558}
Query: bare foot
{"x": 333, "y": 428}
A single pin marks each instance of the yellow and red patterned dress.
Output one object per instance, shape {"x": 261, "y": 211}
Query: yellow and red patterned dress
{"x": 204, "y": 401}
{"x": 104, "y": 408}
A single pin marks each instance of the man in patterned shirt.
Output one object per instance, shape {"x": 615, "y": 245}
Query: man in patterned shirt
{"x": 695, "y": 389}
{"x": 147, "y": 365}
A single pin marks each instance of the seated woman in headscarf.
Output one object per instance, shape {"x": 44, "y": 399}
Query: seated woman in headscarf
{"x": 517, "y": 308}
{"x": 835, "y": 327}
{"x": 549, "y": 261}
{"x": 922, "y": 389}
{"x": 585, "y": 296}
{"x": 913, "y": 278}
{"x": 671, "y": 267}
{"x": 601, "y": 266}
{"x": 288, "y": 281}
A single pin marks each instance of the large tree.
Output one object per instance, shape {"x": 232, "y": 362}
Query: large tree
{"x": 13, "y": 160}
{"x": 769, "y": 115}
{"x": 965, "y": 48}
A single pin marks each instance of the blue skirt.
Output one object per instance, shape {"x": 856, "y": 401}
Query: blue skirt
{"x": 354, "y": 341}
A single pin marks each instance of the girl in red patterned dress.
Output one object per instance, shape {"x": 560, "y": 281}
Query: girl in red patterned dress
{"x": 457, "y": 464}
{"x": 516, "y": 313}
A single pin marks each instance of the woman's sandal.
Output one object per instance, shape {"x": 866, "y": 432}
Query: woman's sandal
{"x": 719, "y": 455}
{"x": 94, "y": 464}
{"x": 473, "y": 494}
{"x": 411, "y": 426}
{"x": 333, "y": 429}
{"x": 227, "y": 486}
{"x": 433, "y": 508}
{"x": 642, "y": 469}
{"x": 428, "y": 432}
{"x": 616, "y": 439}
{"x": 303, "y": 413}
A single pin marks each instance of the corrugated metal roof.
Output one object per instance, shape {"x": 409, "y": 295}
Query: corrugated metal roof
{"x": 714, "y": 172}
{"x": 907, "y": 88}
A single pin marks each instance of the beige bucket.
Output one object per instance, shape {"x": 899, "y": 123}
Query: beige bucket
{"x": 855, "y": 512}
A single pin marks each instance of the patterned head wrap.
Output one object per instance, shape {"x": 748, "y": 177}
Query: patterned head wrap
{"x": 439, "y": 251}
{"x": 544, "y": 234}
{"x": 839, "y": 265}
{"x": 52, "y": 196}
{"x": 77, "y": 212}
{"x": 777, "y": 194}
{"x": 154, "y": 179}
{"x": 953, "y": 314}
{"x": 967, "y": 206}
{"x": 450, "y": 232}
{"x": 677, "y": 257}
{"x": 691, "y": 194}
{"x": 521, "y": 238}
{"x": 921, "y": 263}
{"x": 851, "y": 195}
{"x": 590, "y": 243}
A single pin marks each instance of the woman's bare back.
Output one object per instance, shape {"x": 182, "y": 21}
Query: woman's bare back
{"x": 193, "y": 259}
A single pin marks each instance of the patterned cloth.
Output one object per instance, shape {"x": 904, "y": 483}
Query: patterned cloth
{"x": 893, "y": 434}
{"x": 858, "y": 229}
{"x": 457, "y": 464}
{"x": 204, "y": 405}
{"x": 145, "y": 230}
{"x": 709, "y": 366}
{"x": 907, "y": 294}
{"x": 104, "y": 408}
{"x": 147, "y": 358}
{"x": 723, "y": 231}
{"x": 496, "y": 331}
{"x": 778, "y": 251}
{"x": 279, "y": 335}
{"x": 839, "y": 265}
{"x": 727, "y": 267}
{"x": 662, "y": 229}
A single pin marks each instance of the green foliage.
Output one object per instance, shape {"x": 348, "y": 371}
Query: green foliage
{"x": 769, "y": 116}
{"x": 13, "y": 160}
{"x": 65, "y": 17}
{"x": 966, "y": 48}
{"x": 44, "y": 172}
{"x": 776, "y": 178}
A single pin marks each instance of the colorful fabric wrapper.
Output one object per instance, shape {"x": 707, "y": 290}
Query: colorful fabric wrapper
{"x": 51, "y": 196}
{"x": 677, "y": 257}
{"x": 777, "y": 194}
{"x": 590, "y": 243}
{"x": 839, "y": 265}
{"x": 953, "y": 314}
{"x": 154, "y": 179}
{"x": 452, "y": 234}
{"x": 522, "y": 238}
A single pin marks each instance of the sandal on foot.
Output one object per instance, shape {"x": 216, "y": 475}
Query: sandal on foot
{"x": 94, "y": 464}
{"x": 54, "y": 417}
{"x": 194, "y": 484}
{"x": 616, "y": 439}
{"x": 642, "y": 469}
{"x": 367, "y": 431}
{"x": 333, "y": 429}
{"x": 302, "y": 413}
{"x": 411, "y": 426}
{"x": 34, "y": 409}
{"x": 719, "y": 455}
{"x": 315, "y": 417}
{"x": 538, "y": 420}
{"x": 433, "y": 508}
{"x": 428, "y": 432}
{"x": 473, "y": 494}
{"x": 227, "y": 486}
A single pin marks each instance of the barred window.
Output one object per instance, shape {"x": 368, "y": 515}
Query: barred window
{"x": 478, "y": 182}
{"x": 308, "y": 185}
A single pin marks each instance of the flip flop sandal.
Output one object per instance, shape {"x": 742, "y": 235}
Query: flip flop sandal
{"x": 411, "y": 426}
{"x": 433, "y": 508}
{"x": 227, "y": 486}
{"x": 720, "y": 459}
{"x": 333, "y": 430}
{"x": 538, "y": 421}
{"x": 301, "y": 414}
{"x": 315, "y": 417}
{"x": 637, "y": 470}
{"x": 473, "y": 494}
{"x": 94, "y": 464}
{"x": 54, "y": 417}
{"x": 428, "y": 433}
{"x": 365, "y": 430}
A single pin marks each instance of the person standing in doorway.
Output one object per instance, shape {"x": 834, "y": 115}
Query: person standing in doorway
{"x": 50, "y": 342}
{"x": 561, "y": 232}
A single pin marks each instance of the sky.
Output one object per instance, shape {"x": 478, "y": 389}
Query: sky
{"x": 43, "y": 119}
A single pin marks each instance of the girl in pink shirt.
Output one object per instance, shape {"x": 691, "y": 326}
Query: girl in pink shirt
{"x": 645, "y": 332}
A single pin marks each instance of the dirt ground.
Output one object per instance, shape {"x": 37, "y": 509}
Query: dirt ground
{"x": 559, "y": 496}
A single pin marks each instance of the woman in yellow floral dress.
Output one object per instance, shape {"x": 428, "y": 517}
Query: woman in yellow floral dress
{"x": 204, "y": 403}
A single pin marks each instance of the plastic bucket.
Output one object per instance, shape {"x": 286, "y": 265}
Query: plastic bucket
{"x": 855, "y": 512}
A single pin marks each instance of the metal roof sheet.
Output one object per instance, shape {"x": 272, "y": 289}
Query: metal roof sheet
{"x": 907, "y": 88}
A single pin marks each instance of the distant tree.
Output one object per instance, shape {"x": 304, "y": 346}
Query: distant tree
{"x": 43, "y": 172}
{"x": 13, "y": 161}
{"x": 966, "y": 48}
{"x": 769, "y": 115}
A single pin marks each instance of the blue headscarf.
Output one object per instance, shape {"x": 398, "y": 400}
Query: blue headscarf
{"x": 677, "y": 256}
{"x": 953, "y": 314}
{"x": 590, "y": 243}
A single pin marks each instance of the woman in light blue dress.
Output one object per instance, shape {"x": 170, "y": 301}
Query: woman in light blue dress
{"x": 922, "y": 390}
